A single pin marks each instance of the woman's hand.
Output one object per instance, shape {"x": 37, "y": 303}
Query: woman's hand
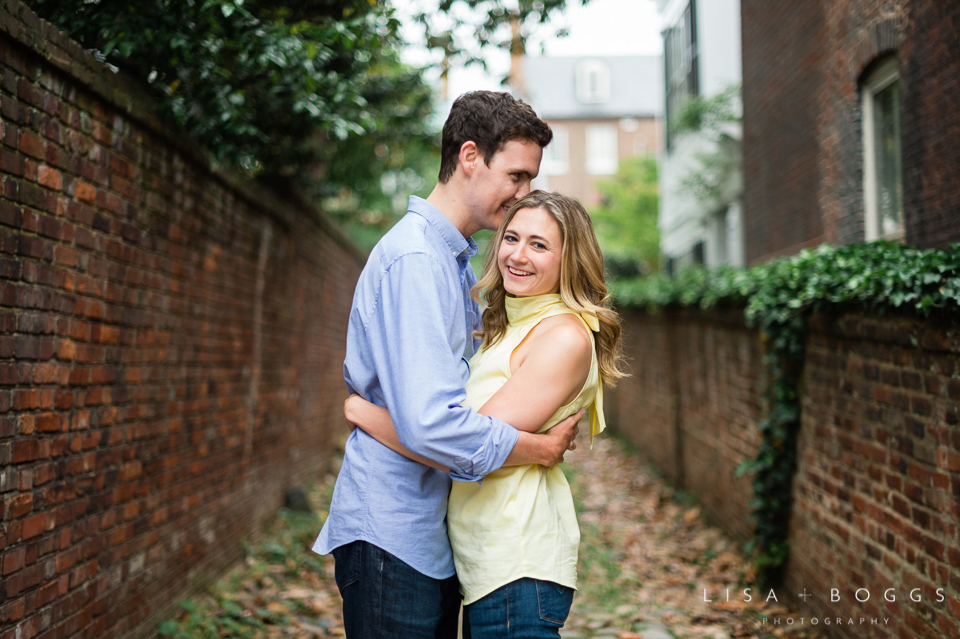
{"x": 351, "y": 410}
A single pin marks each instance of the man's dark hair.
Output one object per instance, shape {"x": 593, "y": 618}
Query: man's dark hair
{"x": 491, "y": 120}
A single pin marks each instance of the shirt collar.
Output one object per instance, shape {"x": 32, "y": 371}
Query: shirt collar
{"x": 458, "y": 245}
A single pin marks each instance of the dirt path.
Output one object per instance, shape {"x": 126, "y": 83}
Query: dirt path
{"x": 646, "y": 559}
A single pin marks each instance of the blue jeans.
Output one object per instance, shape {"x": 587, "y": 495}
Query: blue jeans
{"x": 384, "y": 598}
{"x": 523, "y": 609}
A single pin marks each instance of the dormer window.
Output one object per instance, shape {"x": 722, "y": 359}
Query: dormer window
{"x": 593, "y": 82}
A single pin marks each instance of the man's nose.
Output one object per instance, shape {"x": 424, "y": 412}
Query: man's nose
{"x": 524, "y": 189}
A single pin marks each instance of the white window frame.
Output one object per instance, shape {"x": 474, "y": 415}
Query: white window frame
{"x": 556, "y": 155}
{"x": 602, "y": 159}
{"x": 588, "y": 93}
{"x": 879, "y": 79}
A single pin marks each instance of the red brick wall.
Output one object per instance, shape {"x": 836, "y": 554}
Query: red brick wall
{"x": 782, "y": 46}
{"x": 692, "y": 403}
{"x": 803, "y": 161}
{"x": 877, "y": 491}
{"x": 876, "y": 497}
{"x": 171, "y": 344}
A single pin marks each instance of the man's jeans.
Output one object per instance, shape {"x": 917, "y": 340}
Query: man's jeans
{"x": 384, "y": 598}
{"x": 527, "y": 608}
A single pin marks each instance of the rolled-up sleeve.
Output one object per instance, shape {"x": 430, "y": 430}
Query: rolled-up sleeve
{"x": 410, "y": 337}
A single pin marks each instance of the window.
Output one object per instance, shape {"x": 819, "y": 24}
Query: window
{"x": 699, "y": 253}
{"x": 680, "y": 60}
{"x": 593, "y": 82}
{"x": 556, "y": 155}
{"x": 602, "y": 152}
{"x": 882, "y": 164}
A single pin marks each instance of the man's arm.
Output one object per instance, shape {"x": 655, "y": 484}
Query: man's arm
{"x": 409, "y": 334}
{"x": 545, "y": 449}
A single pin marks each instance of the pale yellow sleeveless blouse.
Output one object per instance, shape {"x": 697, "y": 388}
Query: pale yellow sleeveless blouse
{"x": 519, "y": 522}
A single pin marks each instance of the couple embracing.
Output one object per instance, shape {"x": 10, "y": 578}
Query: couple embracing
{"x": 491, "y": 402}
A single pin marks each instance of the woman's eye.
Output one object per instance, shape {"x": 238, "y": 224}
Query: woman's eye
{"x": 540, "y": 246}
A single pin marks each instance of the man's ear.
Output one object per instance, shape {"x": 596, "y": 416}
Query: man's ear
{"x": 469, "y": 156}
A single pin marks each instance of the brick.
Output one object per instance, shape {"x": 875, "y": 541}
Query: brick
{"x": 33, "y": 526}
{"x": 85, "y": 192}
{"x": 32, "y": 145}
{"x": 50, "y": 178}
{"x": 13, "y": 560}
{"x": 20, "y": 505}
{"x": 48, "y": 422}
{"x": 11, "y": 215}
{"x": 25, "y": 450}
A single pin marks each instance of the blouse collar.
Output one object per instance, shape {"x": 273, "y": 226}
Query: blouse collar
{"x": 521, "y": 310}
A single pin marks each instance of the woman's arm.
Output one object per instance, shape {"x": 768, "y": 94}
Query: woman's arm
{"x": 376, "y": 422}
{"x": 549, "y": 371}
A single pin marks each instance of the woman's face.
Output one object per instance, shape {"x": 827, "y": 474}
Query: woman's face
{"x": 529, "y": 254}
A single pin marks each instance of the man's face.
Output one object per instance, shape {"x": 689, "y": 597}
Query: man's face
{"x": 496, "y": 185}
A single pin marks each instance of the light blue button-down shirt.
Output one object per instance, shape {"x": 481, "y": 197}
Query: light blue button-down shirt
{"x": 408, "y": 343}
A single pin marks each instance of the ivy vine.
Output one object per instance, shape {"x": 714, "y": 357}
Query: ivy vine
{"x": 777, "y": 297}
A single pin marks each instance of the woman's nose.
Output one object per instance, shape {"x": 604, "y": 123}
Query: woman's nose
{"x": 519, "y": 253}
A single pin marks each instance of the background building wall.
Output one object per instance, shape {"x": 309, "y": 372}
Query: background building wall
{"x": 803, "y": 158}
{"x": 171, "y": 346}
{"x": 577, "y": 181}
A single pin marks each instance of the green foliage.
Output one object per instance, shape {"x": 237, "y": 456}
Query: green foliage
{"x": 715, "y": 180}
{"x": 377, "y": 199}
{"x": 309, "y": 95}
{"x": 200, "y": 621}
{"x": 709, "y": 115}
{"x": 777, "y": 295}
{"x": 253, "y": 80}
{"x": 483, "y": 23}
{"x": 278, "y": 561}
{"x": 626, "y": 219}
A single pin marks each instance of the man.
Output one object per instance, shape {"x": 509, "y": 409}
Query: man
{"x": 408, "y": 345}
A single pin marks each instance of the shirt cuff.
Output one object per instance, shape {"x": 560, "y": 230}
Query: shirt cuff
{"x": 490, "y": 456}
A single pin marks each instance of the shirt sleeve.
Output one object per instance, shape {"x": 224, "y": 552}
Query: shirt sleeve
{"x": 411, "y": 336}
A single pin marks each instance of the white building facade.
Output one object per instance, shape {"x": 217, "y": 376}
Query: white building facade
{"x": 702, "y": 57}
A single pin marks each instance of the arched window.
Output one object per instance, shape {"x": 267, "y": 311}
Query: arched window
{"x": 882, "y": 158}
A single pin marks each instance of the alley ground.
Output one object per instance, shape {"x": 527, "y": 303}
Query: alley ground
{"x": 646, "y": 558}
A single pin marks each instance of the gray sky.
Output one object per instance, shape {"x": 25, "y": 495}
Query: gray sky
{"x": 603, "y": 27}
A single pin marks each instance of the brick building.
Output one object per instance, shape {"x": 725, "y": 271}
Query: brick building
{"x": 850, "y": 127}
{"x": 601, "y": 109}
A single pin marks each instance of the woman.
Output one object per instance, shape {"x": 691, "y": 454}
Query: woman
{"x": 549, "y": 343}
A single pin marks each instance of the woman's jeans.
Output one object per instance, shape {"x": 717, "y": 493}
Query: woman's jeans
{"x": 523, "y": 609}
{"x": 385, "y": 598}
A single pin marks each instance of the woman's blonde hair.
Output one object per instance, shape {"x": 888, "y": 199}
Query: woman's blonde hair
{"x": 582, "y": 284}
